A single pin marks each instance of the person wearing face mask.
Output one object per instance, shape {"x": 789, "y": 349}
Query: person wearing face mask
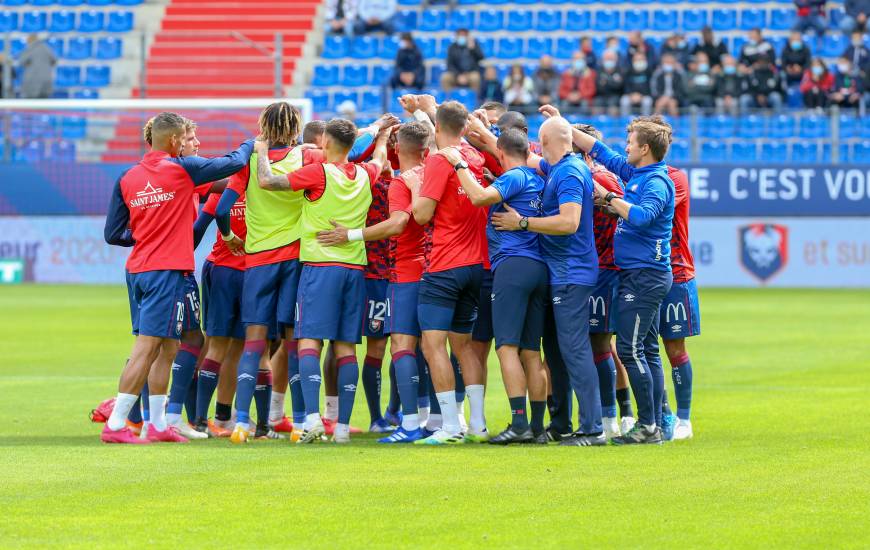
{"x": 518, "y": 88}
{"x": 730, "y": 85}
{"x": 810, "y": 16}
{"x": 677, "y": 47}
{"x": 668, "y": 86}
{"x": 588, "y": 52}
{"x": 700, "y": 84}
{"x": 610, "y": 83}
{"x": 816, "y": 84}
{"x": 490, "y": 86}
{"x": 795, "y": 59}
{"x": 546, "y": 82}
{"x": 410, "y": 69}
{"x": 855, "y": 18}
{"x": 577, "y": 87}
{"x": 637, "y": 88}
{"x": 763, "y": 87}
{"x": 463, "y": 63}
{"x": 756, "y": 48}
{"x": 710, "y": 46}
{"x": 636, "y": 45}
{"x": 375, "y": 15}
{"x": 846, "y": 91}
{"x": 858, "y": 54}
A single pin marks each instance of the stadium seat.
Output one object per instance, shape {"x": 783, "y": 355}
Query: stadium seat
{"x": 33, "y": 2}
{"x": 427, "y": 46}
{"x": 98, "y": 2}
{"x": 465, "y": 96}
{"x": 744, "y": 151}
{"x": 335, "y": 47}
{"x": 861, "y": 152}
{"x": 432, "y": 21}
{"x": 565, "y": 47}
{"x": 120, "y": 21}
{"x": 576, "y": 20}
{"x": 319, "y": 100}
{"x": 752, "y": 19}
{"x": 679, "y": 152}
{"x": 524, "y": 2}
{"x": 108, "y": 48}
{"x": 664, "y": 20}
{"x": 537, "y": 47}
{"x": 509, "y": 48}
{"x": 778, "y": 43}
{"x": 16, "y": 46}
{"x": 97, "y": 76}
{"x": 694, "y": 20}
{"x": 63, "y": 151}
{"x": 86, "y": 93}
{"x": 849, "y": 126}
{"x": 814, "y": 127}
{"x": 73, "y": 127}
{"x": 8, "y": 21}
{"x": 487, "y": 45}
{"x": 737, "y": 43}
{"x": 833, "y": 45}
{"x": 409, "y": 2}
{"x": 751, "y": 126}
{"x": 33, "y": 21}
{"x": 435, "y": 72}
{"x": 606, "y": 20}
{"x": 129, "y": 2}
{"x": 380, "y": 75}
{"x": 388, "y": 47}
{"x": 67, "y": 75}
{"x": 490, "y": 20}
{"x": 460, "y": 19}
{"x": 406, "y": 21}
{"x": 364, "y": 47}
{"x": 61, "y": 21}
{"x": 781, "y": 127}
{"x": 372, "y": 102}
{"x": 782, "y": 19}
{"x": 719, "y": 126}
{"x": 325, "y": 75}
{"x": 79, "y": 48}
{"x": 355, "y": 76}
{"x": 56, "y": 45}
{"x": 724, "y": 20}
{"x": 90, "y": 21}
{"x": 442, "y": 46}
{"x": 548, "y": 21}
{"x": 341, "y": 96}
{"x": 14, "y": 3}
{"x": 713, "y": 151}
{"x": 635, "y": 20}
{"x": 32, "y": 152}
{"x": 71, "y": 3}
{"x": 805, "y": 152}
{"x": 519, "y": 21}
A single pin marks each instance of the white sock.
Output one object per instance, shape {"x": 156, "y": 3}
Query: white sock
{"x": 410, "y": 422}
{"x": 433, "y": 423}
{"x": 123, "y": 404}
{"x": 173, "y": 419}
{"x": 460, "y": 411}
{"x": 449, "y": 414}
{"x": 650, "y": 427}
{"x": 331, "y": 407}
{"x": 312, "y": 420}
{"x": 158, "y": 411}
{"x": 423, "y": 413}
{"x": 276, "y": 408}
{"x": 342, "y": 430}
{"x": 474, "y": 393}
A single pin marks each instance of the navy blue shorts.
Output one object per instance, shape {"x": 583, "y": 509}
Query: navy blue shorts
{"x": 223, "y": 314}
{"x": 207, "y": 266}
{"x": 448, "y": 299}
{"x": 680, "y": 314}
{"x": 520, "y": 294}
{"x": 330, "y": 304}
{"x": 601, "y": 310}
{"x": 402, "y": 308}
{"x": 192, "y": 318}
{"x": 376, "y": 308}
{"x": 157, "y": 303}
{"x": 483, "y": 326}
{"x": 269, "y": 294}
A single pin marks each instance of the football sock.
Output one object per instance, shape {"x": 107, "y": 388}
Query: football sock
{"x": 519, "y": 416}
{"x": 190, "y": 400}
{"x": 348, "y": 378}
{"x": 123, "y": 403}
{"x": 331, "y": 410}
{"x": 666, "y": 406}
{"x": 682, "y": 376}
{"x": 263, "y": 395}
{"x": 395, "y": 401}
{"x": 607, "y": 383}
{"x": 135, "y": 414}
{"x": 223, "y": 412}
{"x": 182, "y": 375}
{"x": 539, "y": 408}
{"x": 477, "y": 421}
{"x": 310, "y": 379}
{"x": 457, "y": 376}
{"x": 371, "y": 382}
{"x": 246, "y": 380}
{"x": 407, "y": 381}
{"x": 423, "y": 385}
{"x": 297, "y": 401}
{"x": 158, "y": 411}
{"x": 449, "y": 415}
{"x": 206, "y": 385}
{"x": 658, "y": 385}
{"x": 146, "y": 403}
{"x": 623, "y": 399}
{"x": 276, "y": 407}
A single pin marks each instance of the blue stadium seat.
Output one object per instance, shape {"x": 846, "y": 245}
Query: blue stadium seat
{"x": 67, "y": 75}
{"x": 354, "y": 76}
{"x": 129, "y": 2}
{"x": 33, "y": 21}
{"x": 73, "y": 127}
{"x": 751, "y": 126}
{"x": 719, "y": 126}
{"x": 442, "y": 46}
{"x": 32, "y": 2}
{"x": 120, "y": 21}
{"x": 724, "y": 19}
{"x": 341, "y": 96}
{"x": 56, "y": 45}
{"x": 108, "y": 48}
{"x": 16, "y": 46}
{"x": 537, "y": 47}
{"x": 804, "y": 152}
{"x": 835, "y": 17}
{"x": 98, "y": 76}
{"x": 8, "y": 21}
{"x": 98, "y": 2}
{"x": 753, "y": 18}
{"x": 519, "y": 21}
{"x": 432, "y": 21}
{"x": 509, "y": 48}
{"x": 635, "y": 20}
{"x": 713, "y": 151}
{"x": 427, "y": 46}
{"x": 849, "y": 126}
{"x": 782, "y": 19}
{"x": 606, "y": 20}
{"x": 435, "y": 72}
{"x": 737, "y": 43}
{"x": 63, "y": 151}
{"x": 460, "y": 19}
{"x": 524, "y": 2}
{"x": 778, "y": 43}
{"x": 548, "y": 21}
{"x": 565, "y": 47}
{"x": 679, "y": 152}
{"x": 86, "y": 93}
{"x": 861, "y": 152}
{"x": 465, "y": 96}
{"x": 744, "y": 151}
{"x": 62, "y": 21}
{"x": 576, "y": 20}
{"x": 380, "y": 74}
{"x": 364, "y": 47}
{"x": 664, "y": 20}
{"x": 694, "y": 20}
{"x": 90, "y": 21}
{"x": 319, "y": 100}
{"x": 372, "y": 101}
{"x": 388, "y": 47}
{"x": 487, "y": 45}
{"x": 813, "y": 127}
{"x": 71, "y": 3}
{"x": 490, "y": 20}
{"x": 14, "y": 3}
{"x": 833, "y": 45}
{"x": 32, "y": 152}
{"x": 406, "y": 21}
{"x": 79, "y": 48}
{"x": 781, "y": 127}
{"x": 325, "y": 75}
{"x": 335, "y": 47}
{"x": 409, "y": 2}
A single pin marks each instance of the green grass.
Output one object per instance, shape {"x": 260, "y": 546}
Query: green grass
{"x": 781, "y": 455}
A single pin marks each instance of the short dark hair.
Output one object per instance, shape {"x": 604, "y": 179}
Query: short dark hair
{"x": 342, "y": 131}
{"x": 513, "y": 119}
{"x": 652, "y": 131}
{"x": 589, "y": 130}
{"x": 514, "y": 143}
{"x": 313, "y": 130}
{"x": 167, "y": 123}
{"x": 452, "y": 116}
{"x": 496, "y": 106}
{"x": 414, "y": 135}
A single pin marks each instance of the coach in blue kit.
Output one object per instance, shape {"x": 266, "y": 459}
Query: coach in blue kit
{"x": 568, "y": 248}
{"x": 642, "y": 252}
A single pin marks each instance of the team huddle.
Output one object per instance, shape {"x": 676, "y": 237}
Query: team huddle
{"x": 435, "y": 236}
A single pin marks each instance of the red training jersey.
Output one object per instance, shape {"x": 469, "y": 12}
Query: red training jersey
{"x": 682, "y": 261}
{"x": 407, "y": 249}
{"x": 378, "y": 252}
{"x": 604, "y": 225}
{"x": 220, "y": 253}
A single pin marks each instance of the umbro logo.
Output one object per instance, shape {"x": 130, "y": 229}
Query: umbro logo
{"x": 492, "y": 297}
{"x": 245, "y": 376}
{"x": 415, "y": 379}
{"x": 628, "y": 297}
{"x": 314, "y": 378}
{"x": 295, "y": 378}
{"x": 349, "y": 387}
{"x": 557, "y": 300}
{"x": 676, "y": 328}
{"x": 593, "y": 322}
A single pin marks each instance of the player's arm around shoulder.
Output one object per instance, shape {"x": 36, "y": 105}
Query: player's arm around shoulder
{"x": 476, "y": 193}
{"x": 204, "y": 170}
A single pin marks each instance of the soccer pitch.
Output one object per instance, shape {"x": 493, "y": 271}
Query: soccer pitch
{"x": 780, "y": 456}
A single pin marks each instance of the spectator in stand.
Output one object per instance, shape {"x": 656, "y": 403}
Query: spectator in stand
{"x": 637, "y": 96}
{"x": 763, "y": 87}
{"x": 678, "y": 48}
{"x": 588, "y": 52}
{"x": 810, "y": 16}
{"x": 410, "y": 70}
{"x": 490, "y": 87}
{"x": 700, "y": 84}
{"x": 519, "y": 90}
{"x": 614, "y": 45}
{"x": 577, "y": 86}
{"x": 756, "y": 48}
{"x": 636, "y": 44}
{"x": 816, "y": 84}
{"x": 667, "y": 86}
{"x": 463, "y": 63}
{"x": 710, "y": 46}
{"x": 36, "y": 64}
{"x": 855, "y": 18}
{"x": 340, "y": 16}
{"x": 846, "y": 91}
{"x": 858, "y": 54}
{"x": 795, "y": 59}
{"x": 375, "y": 15}
{"x": 609, "y": 84}
{"x": 546, "y": 82}
{"x": 730, "y": 85}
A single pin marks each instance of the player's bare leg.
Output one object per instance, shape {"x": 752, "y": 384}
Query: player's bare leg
{"x": 681, "y": 372}
{"x": 146, "y": 349}
{"x": 606, "y": 367}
